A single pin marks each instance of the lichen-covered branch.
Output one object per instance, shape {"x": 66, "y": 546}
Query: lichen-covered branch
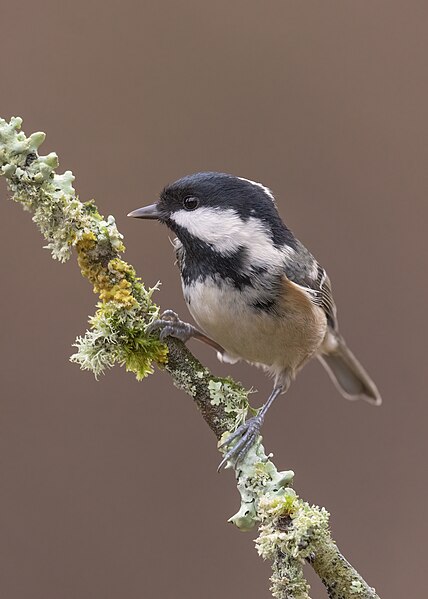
{"x": 291, "y": 532}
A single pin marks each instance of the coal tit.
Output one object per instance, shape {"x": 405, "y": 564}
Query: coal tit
{"x": 254, "y": 290}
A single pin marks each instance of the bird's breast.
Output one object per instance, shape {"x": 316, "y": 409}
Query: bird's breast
{"x": 280, "y": 334}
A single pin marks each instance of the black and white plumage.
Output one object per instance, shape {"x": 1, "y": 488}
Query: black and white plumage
{"x": 255, "y": 291}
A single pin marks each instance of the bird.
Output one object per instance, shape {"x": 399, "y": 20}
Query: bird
{"x": 254, "y": 290}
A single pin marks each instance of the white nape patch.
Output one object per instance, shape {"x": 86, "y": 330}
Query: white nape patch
{"x": 227, "y": 232}
{"x": 261, "y": 186}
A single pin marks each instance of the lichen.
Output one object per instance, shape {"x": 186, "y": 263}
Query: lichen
{"x": 290, "y": 525}
{"x": 257, "y": 475}
{"x": 294, "y": 530}
{"x": 232, "y": 397}
{"x": 357, "y": 587}
{"x": 185, "y": 382}
{"x": 118, "y": 335}
{"x": 288, "y": 580}
{"x": 117, "y": 331}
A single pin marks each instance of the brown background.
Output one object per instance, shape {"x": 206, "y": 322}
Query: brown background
{"x": 109, "y": 489}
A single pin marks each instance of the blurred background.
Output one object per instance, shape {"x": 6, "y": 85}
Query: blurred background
{"x": 109, "y": 489}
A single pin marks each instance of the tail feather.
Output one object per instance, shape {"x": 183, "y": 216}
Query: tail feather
{"x": 348, "y": 375}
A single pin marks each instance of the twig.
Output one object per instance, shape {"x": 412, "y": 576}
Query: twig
{"x": 292, "y": 532}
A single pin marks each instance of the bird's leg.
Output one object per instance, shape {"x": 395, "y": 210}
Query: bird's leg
{"x": 248, "y": 432}
{"x": 170, "y": 325}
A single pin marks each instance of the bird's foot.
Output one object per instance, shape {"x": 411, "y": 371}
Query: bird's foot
{"x": 170, "y": 325}
{"x": 246, "y": 436}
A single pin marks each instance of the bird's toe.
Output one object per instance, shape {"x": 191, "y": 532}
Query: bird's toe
{"x": 246, "y": 436}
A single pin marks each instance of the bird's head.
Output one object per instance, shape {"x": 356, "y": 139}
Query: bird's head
{"x": 220, "y": 210}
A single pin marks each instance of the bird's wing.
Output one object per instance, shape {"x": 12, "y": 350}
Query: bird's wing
{"x": 325, "y": 297}
{"x": 311, "y": 277}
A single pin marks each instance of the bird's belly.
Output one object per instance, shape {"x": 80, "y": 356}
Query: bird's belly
{"x": 227, "y": 315}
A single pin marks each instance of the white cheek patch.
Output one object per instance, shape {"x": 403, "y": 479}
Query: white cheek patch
{"x": 227, "y": 232}
{"x": 215, "y": 226}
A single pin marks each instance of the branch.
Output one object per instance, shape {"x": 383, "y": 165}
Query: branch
{"x": 291, "y": 532}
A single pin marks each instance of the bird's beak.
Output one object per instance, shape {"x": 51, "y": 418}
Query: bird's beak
{"x": 149, "y": 212}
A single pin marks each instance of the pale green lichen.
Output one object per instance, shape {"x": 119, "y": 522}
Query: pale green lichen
{"x": 118, "y": 329}
{"x": 232, "y": 398}
{"x": 185, "y": 382}
{"x": 357, "y": 587}
{"x": 290, "y": 530}
{"x": 294, "y": 530}
{"x": 117, "y": 335}
{"x": 216, "y": 392}
{"x": 290, "y": 525}
{"x": 288, "y": 580}
{"x": 257, "y": 475}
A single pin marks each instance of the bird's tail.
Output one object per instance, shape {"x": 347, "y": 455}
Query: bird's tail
{"x": 347, "y": 373}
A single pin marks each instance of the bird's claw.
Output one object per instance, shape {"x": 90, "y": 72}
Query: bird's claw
{"x": 170, "y": 325}
{"x": 246, "y": 434}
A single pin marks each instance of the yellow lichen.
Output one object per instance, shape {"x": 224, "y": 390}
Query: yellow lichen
{"x": 120, "y": 292}
{"x": 109, "y": 282}
{"x": 87, "y": 241}
{"x": 117, "y": 265}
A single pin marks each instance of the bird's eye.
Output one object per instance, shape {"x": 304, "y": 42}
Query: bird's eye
{"x": 190, "y": 203}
